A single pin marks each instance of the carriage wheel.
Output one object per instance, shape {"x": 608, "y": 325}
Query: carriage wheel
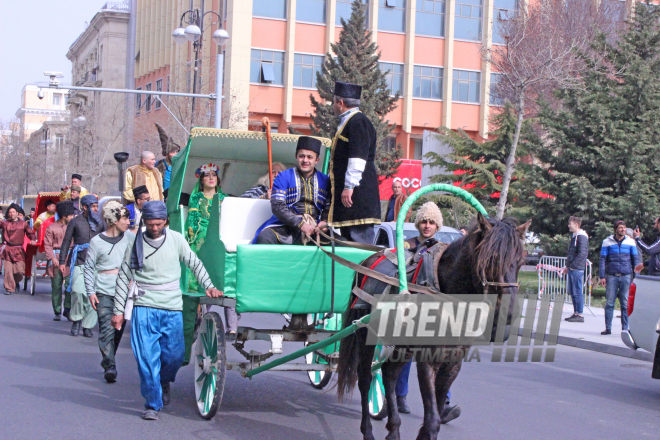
{"x": 318, "y": 379}
{"x": 377, "y": 402}
{"x": 210, "y": 365}
{"x": 33, "y": 278}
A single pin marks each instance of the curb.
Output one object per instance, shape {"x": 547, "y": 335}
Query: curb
{"x": 599, "y": 347}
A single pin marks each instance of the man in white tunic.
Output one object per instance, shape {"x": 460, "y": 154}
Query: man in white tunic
{"x": 153, "y": 263}
{"x": 104, "y": 256}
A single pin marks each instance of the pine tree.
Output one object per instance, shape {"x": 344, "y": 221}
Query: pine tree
{"x": 356, "y": 62}
{"x": 601, "y": 149}
{"x": 478, "y": 167}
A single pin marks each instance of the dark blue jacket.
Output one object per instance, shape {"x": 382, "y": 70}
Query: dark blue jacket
{"x": 578, "y": 249}
{"x": 618, "y": 257}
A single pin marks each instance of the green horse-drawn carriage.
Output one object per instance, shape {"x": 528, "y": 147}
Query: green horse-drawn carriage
{"x": 255, "y": 278}
{"x": 266, "y": 278}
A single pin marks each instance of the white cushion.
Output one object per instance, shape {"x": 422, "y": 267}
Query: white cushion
{"x": 240, "y": 218}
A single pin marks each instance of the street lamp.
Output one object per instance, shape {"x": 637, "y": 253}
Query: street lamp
{"x": 194, "y": 18}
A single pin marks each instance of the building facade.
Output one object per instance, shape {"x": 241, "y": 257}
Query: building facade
{"x": 35, "y": 111}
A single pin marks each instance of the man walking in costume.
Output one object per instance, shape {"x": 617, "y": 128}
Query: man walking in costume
{"x": 355, "y": 206}
{"x": 104, "y": 256}
{"x": 14, "y": 232}
{"x": 144, "y": 174}
{"x": 141, "y": 196}
{"x": 153, "y": 263}
{"x": 52, "y": 245}
{"x": 300, "y": 199}
{"x": 81, "y": 230}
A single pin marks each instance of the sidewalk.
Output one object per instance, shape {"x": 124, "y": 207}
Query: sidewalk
{"x": 586, "y": 335}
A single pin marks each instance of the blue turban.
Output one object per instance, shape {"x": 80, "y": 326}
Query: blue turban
{"x": 95, "y": 221}
{"x": 155, "y": 210}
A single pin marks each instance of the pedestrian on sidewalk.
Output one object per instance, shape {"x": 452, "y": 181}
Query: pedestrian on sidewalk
{"x": 52, "y": 246}
{"x": 153, "y": 263}
{"x": 618, "y": 258}
{"x": 576, "y": 260}
{"x": 653, "y": 263}
{"x": 81, "y": 230}
{"x": 14, "y": 231}
{"x": 104, "y": 256}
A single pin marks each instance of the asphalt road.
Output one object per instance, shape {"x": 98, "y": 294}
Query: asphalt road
{"x": 52, "y": 387}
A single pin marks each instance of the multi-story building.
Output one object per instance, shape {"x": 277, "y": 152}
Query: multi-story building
{"x": 35, "y": 111}
{"x": 98, "y": 58}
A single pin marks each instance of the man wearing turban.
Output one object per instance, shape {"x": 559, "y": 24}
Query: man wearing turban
{"x": 81, "y": 230}
{"x": 155, "y": 304}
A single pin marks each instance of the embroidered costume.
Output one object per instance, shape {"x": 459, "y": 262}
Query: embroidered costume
{"x": 352, "y": 166}
{"x": 13, "y": 254}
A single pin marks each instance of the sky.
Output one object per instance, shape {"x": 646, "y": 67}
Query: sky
{"x": 37, "y": 36}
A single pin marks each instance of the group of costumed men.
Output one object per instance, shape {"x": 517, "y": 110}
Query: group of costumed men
{"x": 115, "y": 274}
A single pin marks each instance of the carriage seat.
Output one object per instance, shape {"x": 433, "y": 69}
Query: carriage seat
{"x": 240, "y": 218}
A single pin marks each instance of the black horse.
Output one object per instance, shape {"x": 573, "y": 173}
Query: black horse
{"x": 490, "y": 254}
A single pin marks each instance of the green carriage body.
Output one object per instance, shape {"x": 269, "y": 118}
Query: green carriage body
{"x": 262, "y": 278}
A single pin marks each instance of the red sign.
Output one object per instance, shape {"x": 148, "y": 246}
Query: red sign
{"x": 410, "y": 176}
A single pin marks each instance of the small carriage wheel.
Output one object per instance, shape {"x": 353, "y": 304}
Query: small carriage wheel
{"x": 318, "y": 379}
{"x": 210, "y": 365}
{"x": 377, "y": 402}
{"x": 33, "y": 277}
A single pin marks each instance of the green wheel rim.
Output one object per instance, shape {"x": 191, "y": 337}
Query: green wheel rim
{"x": 209, "y": 352}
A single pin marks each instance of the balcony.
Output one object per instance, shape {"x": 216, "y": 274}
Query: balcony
{"x": 115, "y": 6}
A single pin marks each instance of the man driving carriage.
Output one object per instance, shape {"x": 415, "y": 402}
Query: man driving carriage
{"x": 76, "y": 181}
{"x": 300, "y": 199}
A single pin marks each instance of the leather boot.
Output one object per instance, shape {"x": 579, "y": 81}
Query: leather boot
{"x": 87, "y": 332}
{"x": 402, "y": 405}
{"x": 75, "y": 328}
{"x": 167, "y": 398}
{"x": 110, "y": 375}
{"x": 66, "y": 313}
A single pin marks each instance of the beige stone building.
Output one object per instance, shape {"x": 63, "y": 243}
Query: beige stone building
{"x": 35, "y": 111}
{"x": 98, "y": 58}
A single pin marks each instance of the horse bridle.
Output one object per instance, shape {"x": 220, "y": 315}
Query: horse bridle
{"x": 488, "y": 284}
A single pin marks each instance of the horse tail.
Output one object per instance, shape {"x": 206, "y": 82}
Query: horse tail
{"x": 349, "y": 356}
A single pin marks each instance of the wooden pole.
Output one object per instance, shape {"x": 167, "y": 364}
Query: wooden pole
{"x": 266, "y": 123}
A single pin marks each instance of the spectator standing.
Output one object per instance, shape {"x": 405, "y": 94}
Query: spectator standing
{"x": 618, "y": 257}
{"x": 576, "y": 260}
{"x": 395, "y": 203}
{"x": 653, "y": 263}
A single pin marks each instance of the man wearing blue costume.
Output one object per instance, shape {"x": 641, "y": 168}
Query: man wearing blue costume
{"x": 300, "y": 199}
{"x": 154, "y": 301}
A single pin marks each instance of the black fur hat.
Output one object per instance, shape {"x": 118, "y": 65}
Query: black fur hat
{"x": 347, "y": 90}
{"x": 309, "y": 143}
{"x": 65, "y": 209}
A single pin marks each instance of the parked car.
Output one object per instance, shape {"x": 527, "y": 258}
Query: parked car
{"x": 385, "y": 235}
{"x": 644, "y": 318}
{"x": 532, "y": 258}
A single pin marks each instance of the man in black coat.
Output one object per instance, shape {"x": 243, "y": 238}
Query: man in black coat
{"x": 576, "y": 260}
{"x": 355, "y": 206}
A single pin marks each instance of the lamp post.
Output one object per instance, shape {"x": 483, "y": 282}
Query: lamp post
{"x": 194, "y": 18}
{"x": 45, "y": 143}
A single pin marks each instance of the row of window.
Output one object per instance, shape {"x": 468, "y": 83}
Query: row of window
{"x": 150, "y": 100}
{"x": 58, "y": 97}
{"x": 429, "y": 19}
{"x": 267, "y": 67}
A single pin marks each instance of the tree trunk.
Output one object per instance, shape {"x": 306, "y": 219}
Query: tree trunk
{"x": 511, "y": 160}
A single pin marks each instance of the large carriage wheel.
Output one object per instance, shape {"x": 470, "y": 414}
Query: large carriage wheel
{"x": 210, "y": 365}
{"x": 33, "y": 278}
{"x": 319, "y": 379}
{"x": 377, "y": 402}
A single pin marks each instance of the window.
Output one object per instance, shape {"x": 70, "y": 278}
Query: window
{"x": 266, "y": 67}
{"x": 138, "y": 102}
{"x": 389, "y": 143}
{"x": 305, "y": 68}
{"x": 59, "y": 141}
{"x": 465, "y": 87}
{"x": 394, "y": 77}
{"x": 147, "y": 99}
{"x": 427, "y": 82}
{"x": 159, "y": 88}
{"x": 418, "y": 149}
{"x": 344, "y": 10}
{"x": 392, "y": 15}
{"x": 430, "y": 19}
{"x": 66, "y": 99}
{"x": 269, "y": 8}
{"x": 312, "y": 11}
{"x": 468, "y": 20}
{"x": 57, "y": 99}
{"x": 503, "y": 11}
{"x": 496, "y": 95}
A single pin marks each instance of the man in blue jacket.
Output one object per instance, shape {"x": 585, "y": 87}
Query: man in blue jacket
{"x": 618, "y": 258}
{"x": 576, "y": 259}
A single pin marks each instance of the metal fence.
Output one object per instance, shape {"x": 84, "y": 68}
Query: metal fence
{"x": 553, "y": 283}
